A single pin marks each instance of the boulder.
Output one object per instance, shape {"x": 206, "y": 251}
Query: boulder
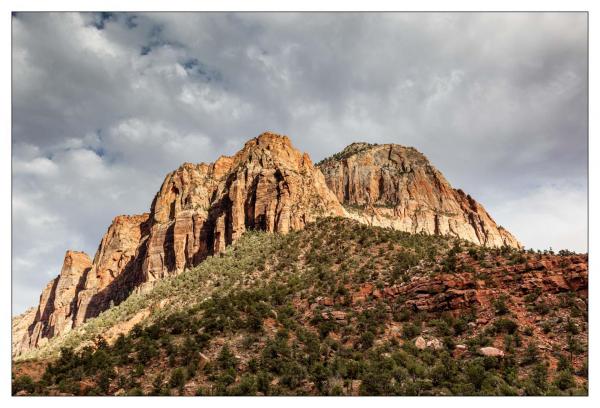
{"x": 435, "y": 344}
{"x": 491, "y": 352}
{"x": 459, "y": 350}
{"x": 202, "y": 361}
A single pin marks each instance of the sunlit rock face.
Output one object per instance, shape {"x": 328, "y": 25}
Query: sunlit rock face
{"x": 395, "y": 186}
{"x": 202, "y": 208}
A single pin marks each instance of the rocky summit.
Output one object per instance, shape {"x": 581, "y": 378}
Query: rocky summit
{"x": 269, "y": 186}
{"x": 395, "y": 186}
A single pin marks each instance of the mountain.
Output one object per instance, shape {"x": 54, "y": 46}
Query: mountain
{"x": 268, "y": 185}
{"x": 198, "y": 211}
{"x": 395, "y": 186}
{"x": 335, "y": 308}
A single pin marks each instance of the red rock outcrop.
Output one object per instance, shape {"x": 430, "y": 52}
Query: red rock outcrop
{"x": 396, "y": 186}
{"x": 200, "y": 209}
{"x": 550, "y": 275}
{"x": 56, "y": 310}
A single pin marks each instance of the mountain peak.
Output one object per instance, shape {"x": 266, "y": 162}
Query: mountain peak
{"x": 396, "y": 186}
{"x": 270, "y": 137}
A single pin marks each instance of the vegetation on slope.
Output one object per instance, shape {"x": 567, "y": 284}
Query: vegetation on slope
{"x": 331, "y": 310}
{"x": 348, "y": 151}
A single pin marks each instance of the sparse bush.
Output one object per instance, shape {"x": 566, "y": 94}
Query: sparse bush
{"x": 564, "y": 380}
{"x": 531, "y": 353}
{"x": 500, "y": 305}
{"x": 410, "y": 330}
{"x": 506, "y": 326}
{"x": 23, "y": 383}
{"x": 178, "y": 376}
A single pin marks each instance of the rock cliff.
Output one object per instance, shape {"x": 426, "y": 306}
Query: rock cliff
{"x": 396, "y": 186}
{"x": 202, "y": 208}
{"x": 115, "y": 268}
{"x": 57, "y": 307}
{"x": 198, "y": 211}
{"x": 268, "y": 185}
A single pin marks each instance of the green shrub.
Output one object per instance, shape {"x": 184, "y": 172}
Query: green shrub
{"x": 531, "y": 353}
{"x": 226, "y": 358}
{"x": 539, "y": 376}
{"x": 410, "y": 330}
{"x": 564, "y": 380}
{"x": 23, "y": 383}
{"x": 500, "y": 305}
{"x": 178, "y": 377}
{"x": 366, "y": 340}
{"x": 506, "y": 326}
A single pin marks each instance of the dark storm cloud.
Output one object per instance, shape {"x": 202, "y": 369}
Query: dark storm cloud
{"x": 104, "y": 105}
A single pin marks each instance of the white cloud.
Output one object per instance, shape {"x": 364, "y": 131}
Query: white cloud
{"x": 40, "y": 166}
{"x": 552, "y": 215}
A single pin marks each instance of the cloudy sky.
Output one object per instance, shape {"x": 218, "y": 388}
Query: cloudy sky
{"x": 105, "y": 105}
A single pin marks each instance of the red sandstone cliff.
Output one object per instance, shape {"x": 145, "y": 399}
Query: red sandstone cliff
{"x": 396, "y": 186}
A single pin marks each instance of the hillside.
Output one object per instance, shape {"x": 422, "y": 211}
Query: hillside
{"x": 336, "y": 308}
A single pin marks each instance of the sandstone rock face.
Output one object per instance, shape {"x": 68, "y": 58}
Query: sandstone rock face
{"x": 491, "y": 352}
{"x": 200, "y": 209}
{"x": 20, "y": 325}
{"x": 420, "y": 343}
{"x": 57, "y": 307}
{"x": 396, "y": 186}
{"x": 114, "y": 272}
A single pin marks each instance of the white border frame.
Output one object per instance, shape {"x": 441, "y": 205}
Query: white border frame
{"x": 7, "y": 6}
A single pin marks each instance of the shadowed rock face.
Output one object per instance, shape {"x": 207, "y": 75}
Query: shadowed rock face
{"x": 396, "y": 186}
{"x": 114, "y": 272}
{"x": 269, "y": 186}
